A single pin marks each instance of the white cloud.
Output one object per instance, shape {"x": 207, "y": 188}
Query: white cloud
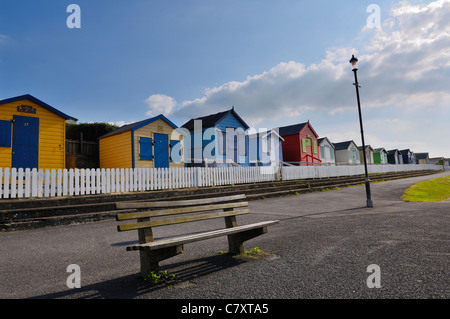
{"x": 160, "y": 104}
{"x": 119, "y": 123}
{"x": 286, "y": 90}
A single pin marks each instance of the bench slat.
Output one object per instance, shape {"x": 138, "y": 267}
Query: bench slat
{"x": 184, "y": 210}
{"x": 164, "y": 243}
{"x": 190, "y": 202}
{"x": 171, "y": 221}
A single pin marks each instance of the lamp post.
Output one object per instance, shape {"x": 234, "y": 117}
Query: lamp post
{"x": 354, "y": 63}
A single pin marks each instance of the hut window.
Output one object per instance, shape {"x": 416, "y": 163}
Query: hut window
{"x": 5, "y": 133}
{"x": 303, "y": 145}
{"x": 145, "y": 149}
{"x": 315, "y": 147}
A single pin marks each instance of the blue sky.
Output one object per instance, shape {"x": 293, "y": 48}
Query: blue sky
{"x": 277, "y": 62}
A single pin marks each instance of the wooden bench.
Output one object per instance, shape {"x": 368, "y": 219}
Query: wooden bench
{"x": 153, "y": 251}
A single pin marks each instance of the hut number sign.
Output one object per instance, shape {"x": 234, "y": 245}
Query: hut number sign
{"x": 26, "y": 109}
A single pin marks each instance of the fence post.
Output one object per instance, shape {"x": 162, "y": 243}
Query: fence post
{"x": 13, "y": 182}
{"x": 53, "y": 182}
{"x": 6, "y": 176}
{"x": 39, "y": 183}
{"x": 108, "y": 181}
{"x": 77, "y": 181}
{"x": 70, "y": 182}
{"x": 27, "y": 193}
{"x": 33, "y": 182}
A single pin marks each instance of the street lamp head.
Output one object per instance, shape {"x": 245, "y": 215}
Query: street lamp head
{"x": 354, "y": 62}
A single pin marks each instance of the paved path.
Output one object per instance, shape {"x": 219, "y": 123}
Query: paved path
{"x": 320, "y": 249}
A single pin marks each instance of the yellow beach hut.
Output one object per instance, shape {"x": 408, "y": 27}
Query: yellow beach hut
{"x": 32, "y": 134}
{"x": 152, "y": 143}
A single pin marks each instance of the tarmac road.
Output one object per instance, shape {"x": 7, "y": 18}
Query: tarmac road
{"x": 320, "y": 249}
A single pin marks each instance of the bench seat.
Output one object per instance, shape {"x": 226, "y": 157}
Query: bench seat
{"x": 180, "y": 240}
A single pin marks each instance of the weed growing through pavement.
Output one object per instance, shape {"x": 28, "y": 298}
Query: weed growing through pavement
{"x": 253, "y": 253}
{"x": 158, "y": 277}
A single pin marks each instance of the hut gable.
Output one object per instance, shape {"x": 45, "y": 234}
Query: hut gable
{"x": 219, "y": 120}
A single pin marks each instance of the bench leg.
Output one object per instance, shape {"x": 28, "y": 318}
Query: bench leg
{"x": 236, "y": 241}
{"x": 150, "y": 258}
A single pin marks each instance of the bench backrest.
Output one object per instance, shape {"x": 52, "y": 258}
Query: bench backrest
{"x": 198, "y": 209}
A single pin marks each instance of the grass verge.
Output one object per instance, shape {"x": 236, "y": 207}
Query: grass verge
{"x": 433, "y": 190}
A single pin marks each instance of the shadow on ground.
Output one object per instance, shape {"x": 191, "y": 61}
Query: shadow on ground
{"x": 133, "y": 286}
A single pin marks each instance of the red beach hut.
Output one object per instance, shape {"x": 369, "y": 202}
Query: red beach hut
{"x": 300, "y": 145}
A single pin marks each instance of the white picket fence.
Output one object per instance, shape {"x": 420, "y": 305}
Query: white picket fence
{"x": 20, "y": 183}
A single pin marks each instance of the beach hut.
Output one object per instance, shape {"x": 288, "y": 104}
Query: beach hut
{"x": 218, "y": 139}
{"x": 380, "y": 156}
{"x": 265, "y": 148}
{"x": 327, "y": 152}
{"x": 347, "y": 152}
{"x": 408, "y": 156}
{"x": 369, "y": 154}
{"x": 422, "y": 158}
{"x": 152, "y": 143}
{"x": 437, "y": 160}
{"x": 394, "y": 157}
{"x": 300, "y": 146}
{"x": 32, "y": 134}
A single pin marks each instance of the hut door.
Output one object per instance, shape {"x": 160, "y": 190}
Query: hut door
{"x": 161, "y": 150}
{"x": 25, "y": 148}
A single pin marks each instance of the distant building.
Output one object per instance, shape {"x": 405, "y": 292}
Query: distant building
{"x": 408, "y": 156}
{"x": 394, "y": 157}
{"x": 347, "y": 153}
{"x": 422, "y": 158}
{"x": 369, "y": 154}
{"x": 265, "y": 148}
{"x": 380, "y": 156}
{"x": 327, "y": 153}
{"x": 436, "y": 160}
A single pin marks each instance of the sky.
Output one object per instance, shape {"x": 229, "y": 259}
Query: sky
{"x": 277, "y": 62}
